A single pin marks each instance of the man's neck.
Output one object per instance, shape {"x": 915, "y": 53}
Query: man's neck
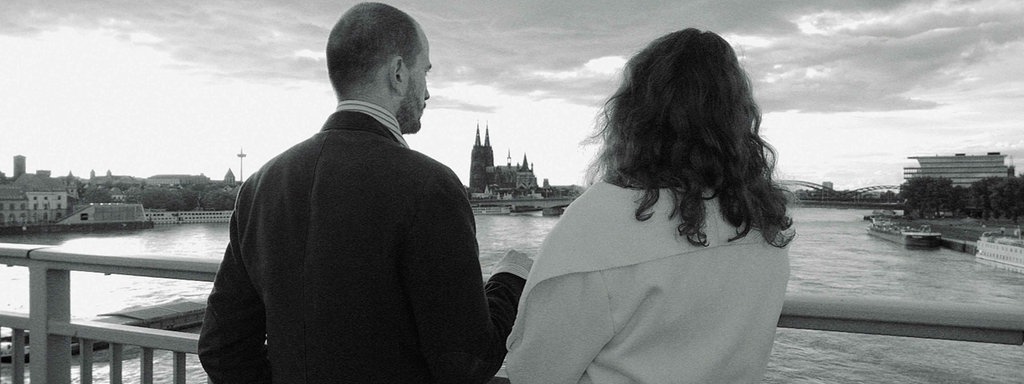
{"x": 373, "y": 98}
{"x": 383, "y": 116}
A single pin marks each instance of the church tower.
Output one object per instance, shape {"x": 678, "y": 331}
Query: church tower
{"x": 482, "y": 159}
{"x": 229, "y": 178}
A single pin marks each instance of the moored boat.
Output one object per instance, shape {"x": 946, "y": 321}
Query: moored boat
{"x": 921, "y": 237}
{"x": 553, "y": 211}
{"x": 881, "y": 213}
{"x": 492, "y": 210}
{"x": 1003, "y": 251}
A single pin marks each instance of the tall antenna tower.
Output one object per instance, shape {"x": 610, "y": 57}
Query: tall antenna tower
{"x": 241, "y": 159}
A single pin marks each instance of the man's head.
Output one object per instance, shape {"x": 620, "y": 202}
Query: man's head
{"x": 379, "y": 54}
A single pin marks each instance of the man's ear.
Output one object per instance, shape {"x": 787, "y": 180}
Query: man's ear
{"x": 398, "y": 74}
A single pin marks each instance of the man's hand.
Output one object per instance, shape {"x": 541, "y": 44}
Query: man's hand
{"x": 514, "y": 262}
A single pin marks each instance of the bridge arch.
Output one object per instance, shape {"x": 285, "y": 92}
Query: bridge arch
{"x": 830, "y": 193}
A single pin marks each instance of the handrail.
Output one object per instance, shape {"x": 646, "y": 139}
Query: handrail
{"x": 127, "y": 334}
{"x": 988, "y": 323}
{"x": 181, "y": 268}
{"x": 14, "y": 320}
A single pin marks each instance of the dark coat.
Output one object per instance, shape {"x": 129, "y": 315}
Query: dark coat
{"x": 355, "y": 260}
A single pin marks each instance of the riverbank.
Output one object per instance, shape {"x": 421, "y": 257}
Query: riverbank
{"x": 74, "y": 228}
{"x": 962, "y": 234}
{"x": 964, "y": 229}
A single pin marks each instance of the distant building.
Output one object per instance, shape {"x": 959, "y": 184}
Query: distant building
{"x": 177, "y": 180}
{"x": 19, "y": 166}
{"x": 13, "y": 206}
{"x": 828, "y": 185}
{"x": 229, "y": 178}
{"x": 481, "y": 163}
{"x": 106, "y": 213}
{"x": 117, "y": 195}
{"x": 110, "y": 179}
{"x": 961, "y": 168}
{"x": 508, "y": 176}
{"x": 34, "y": 199}
{"x": 71, "y": 184}
{"x": 485, "y": 177}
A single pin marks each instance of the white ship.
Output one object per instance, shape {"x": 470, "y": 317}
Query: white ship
{"x": 1002, "y": 251}
{"x": 188, "y": 217}
{"x": 492, "y": 210}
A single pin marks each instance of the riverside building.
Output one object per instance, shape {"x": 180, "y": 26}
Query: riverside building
{"x": 33, "y": 199}
{"x": 961, "y": 168}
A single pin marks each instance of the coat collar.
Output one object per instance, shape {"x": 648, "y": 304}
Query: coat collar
{"x": 357, "y": 121}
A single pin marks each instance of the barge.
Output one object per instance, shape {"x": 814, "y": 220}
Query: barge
{"x": 921, "y": 237}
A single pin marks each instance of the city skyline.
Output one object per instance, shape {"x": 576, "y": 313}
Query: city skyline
{"x": 849, "y": 90}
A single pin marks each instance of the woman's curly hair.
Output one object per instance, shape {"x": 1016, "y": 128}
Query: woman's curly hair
{"x": 685, "y": 119}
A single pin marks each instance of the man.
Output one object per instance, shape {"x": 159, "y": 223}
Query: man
{"x": 353, "y": 258}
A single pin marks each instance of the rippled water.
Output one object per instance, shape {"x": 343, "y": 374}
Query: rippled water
{"x": 832, "y": 255}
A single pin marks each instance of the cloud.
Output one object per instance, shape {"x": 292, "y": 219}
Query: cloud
{"x": 877, "y": 61}
{"x": 814, "y": 56}
{"x": 444, "y": 102}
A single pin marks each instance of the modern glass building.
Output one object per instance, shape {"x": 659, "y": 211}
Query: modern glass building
{"x": 963, "y": 169}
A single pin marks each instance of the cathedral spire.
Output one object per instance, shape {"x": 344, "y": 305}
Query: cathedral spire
{"x": 477, "y": 135}
{"x": 525, "y": 166}
{"x": 509, "y": 157}
{"x": 487, "y": 135}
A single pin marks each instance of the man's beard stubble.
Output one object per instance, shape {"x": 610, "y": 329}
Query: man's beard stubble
{"x": 408, "y": 121}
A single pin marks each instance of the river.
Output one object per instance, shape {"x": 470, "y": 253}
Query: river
{"x": 832, "y": 255}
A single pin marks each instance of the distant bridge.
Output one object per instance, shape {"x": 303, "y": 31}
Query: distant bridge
{"x": 831, "y": 194}
{"x": 518, "y": 204}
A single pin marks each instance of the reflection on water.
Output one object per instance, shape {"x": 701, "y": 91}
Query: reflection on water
{"x": 832, "y": 255}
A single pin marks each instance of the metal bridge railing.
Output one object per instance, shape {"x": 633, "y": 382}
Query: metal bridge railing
{"x": 52, "y": 329}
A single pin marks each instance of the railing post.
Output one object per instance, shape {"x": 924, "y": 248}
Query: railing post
{"x": 18, "y": 359}
{"x": 116, "y": 362}
{"x": 179, "y": 368}
{"x": 85, "y": 369}
{"x": 146, "y": 366}
{"x": 49, "y": 300}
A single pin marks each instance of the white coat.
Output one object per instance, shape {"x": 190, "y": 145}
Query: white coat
{"x": 614, "y": 300}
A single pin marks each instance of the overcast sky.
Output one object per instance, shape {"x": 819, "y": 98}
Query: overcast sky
{"x": 849, "y": 88}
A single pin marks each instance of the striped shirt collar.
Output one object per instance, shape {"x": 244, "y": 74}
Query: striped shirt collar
{"x": 377, "y": 113}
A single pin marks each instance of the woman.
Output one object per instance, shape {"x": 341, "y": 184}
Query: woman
{"x": 672, "y": 267}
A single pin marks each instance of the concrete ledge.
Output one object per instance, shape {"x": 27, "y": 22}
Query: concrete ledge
{"x": 960, "y": 245}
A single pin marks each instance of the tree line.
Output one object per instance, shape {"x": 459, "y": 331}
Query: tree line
{"x": 989, "y": 198}
{"x": 213, "y": 196}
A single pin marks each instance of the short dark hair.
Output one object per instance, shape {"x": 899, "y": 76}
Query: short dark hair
{"x": 364, "y": 38}
{"x": 685, "y": 119}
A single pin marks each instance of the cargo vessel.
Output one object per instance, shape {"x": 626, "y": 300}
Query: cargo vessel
{"x": 921, "y": 237}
